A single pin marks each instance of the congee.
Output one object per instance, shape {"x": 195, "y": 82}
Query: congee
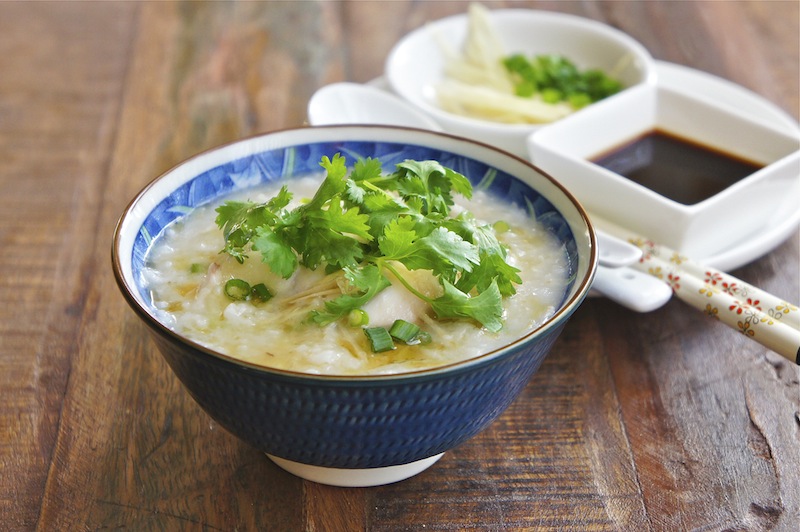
{"x": 357, "y": 271}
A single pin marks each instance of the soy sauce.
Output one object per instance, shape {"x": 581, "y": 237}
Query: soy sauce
{"x": 680, "y": 169}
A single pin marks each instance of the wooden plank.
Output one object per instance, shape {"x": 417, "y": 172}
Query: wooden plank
{"x": 59, "y": 97}
{"x": 172, "y": 466}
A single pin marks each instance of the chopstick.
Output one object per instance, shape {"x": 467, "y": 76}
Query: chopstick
{"x": 759, "y": 315}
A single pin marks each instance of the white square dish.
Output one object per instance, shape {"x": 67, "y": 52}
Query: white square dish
{"x": 567, "y": 148}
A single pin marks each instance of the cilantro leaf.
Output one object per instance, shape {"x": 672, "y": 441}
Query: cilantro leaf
{"x": 350, "y": 221}
{"x": 333, "y": 184}
{"x": 492, "y": 269}
{"x": 366, "y": 282}
{"x": 443, "y": 252}
{"x": 485, "y": 308}
{"x": 398, "y": 239}
{"x": 242, "y": 215}
{"x": 382, "y": 211}
{"x": 366, "y": 169}
{"x": 431, "y": 184}
{"x": 493, "y": 265}
{"x": 322, "y": 245}
{"x": 231, "y": 215}
{"x": 354, "y": 192}
{"x": 327, "y": 236}
{"x": 280, "y": 257}
{"x": 482, "y": 236}
{"x": 238, "y": 221}
{"x": 459, "y": 182}
{"x": 280, "y": 201}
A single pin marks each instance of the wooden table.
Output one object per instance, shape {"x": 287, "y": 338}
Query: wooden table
{"x": 659, "y": 421}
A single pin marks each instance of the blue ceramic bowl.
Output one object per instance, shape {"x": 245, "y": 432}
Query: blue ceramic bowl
{"x": 361, "y": 430}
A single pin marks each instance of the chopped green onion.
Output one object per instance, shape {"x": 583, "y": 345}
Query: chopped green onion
{"x": 237, "y": 289}
{"x": 404, "y": 331}
{"x": 260, "y": 293}
{"x": 525, "y": 89}
{"x": 197, "y": 267}
{"x": 556, "y": 78}
{"x": 357, "y": 318}
{"x": 551, "y": 95}
{"x": 424, "y": 338}
{"x": 379, "y": 338}
{"x": 501, "y": 226}
{"x": 409, "y": 333}
{"x": 579, "y": 99}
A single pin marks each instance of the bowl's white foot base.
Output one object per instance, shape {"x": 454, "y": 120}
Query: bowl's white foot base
{"x": 355, "y": 478}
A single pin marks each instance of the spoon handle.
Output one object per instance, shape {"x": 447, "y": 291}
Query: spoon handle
{"x": 631, "y": 288}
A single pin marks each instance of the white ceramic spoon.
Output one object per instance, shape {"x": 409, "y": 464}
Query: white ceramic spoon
{"x": 631, "y": 288}
{"x": 354, "y": 103}
{"x": 615, "y": 252}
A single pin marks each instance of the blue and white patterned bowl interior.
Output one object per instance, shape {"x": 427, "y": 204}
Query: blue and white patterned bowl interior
{"x": 285, "y": 163}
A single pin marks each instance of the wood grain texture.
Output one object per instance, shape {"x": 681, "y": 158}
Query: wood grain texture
{"x": 661, "y": 421}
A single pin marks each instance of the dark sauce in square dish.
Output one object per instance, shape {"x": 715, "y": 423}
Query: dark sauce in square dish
{"x": 680, "y": 169}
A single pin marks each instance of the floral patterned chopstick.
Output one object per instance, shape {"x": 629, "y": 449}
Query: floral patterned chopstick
{"x": 769, "y": 320}
{"x": 759, "y": 315}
